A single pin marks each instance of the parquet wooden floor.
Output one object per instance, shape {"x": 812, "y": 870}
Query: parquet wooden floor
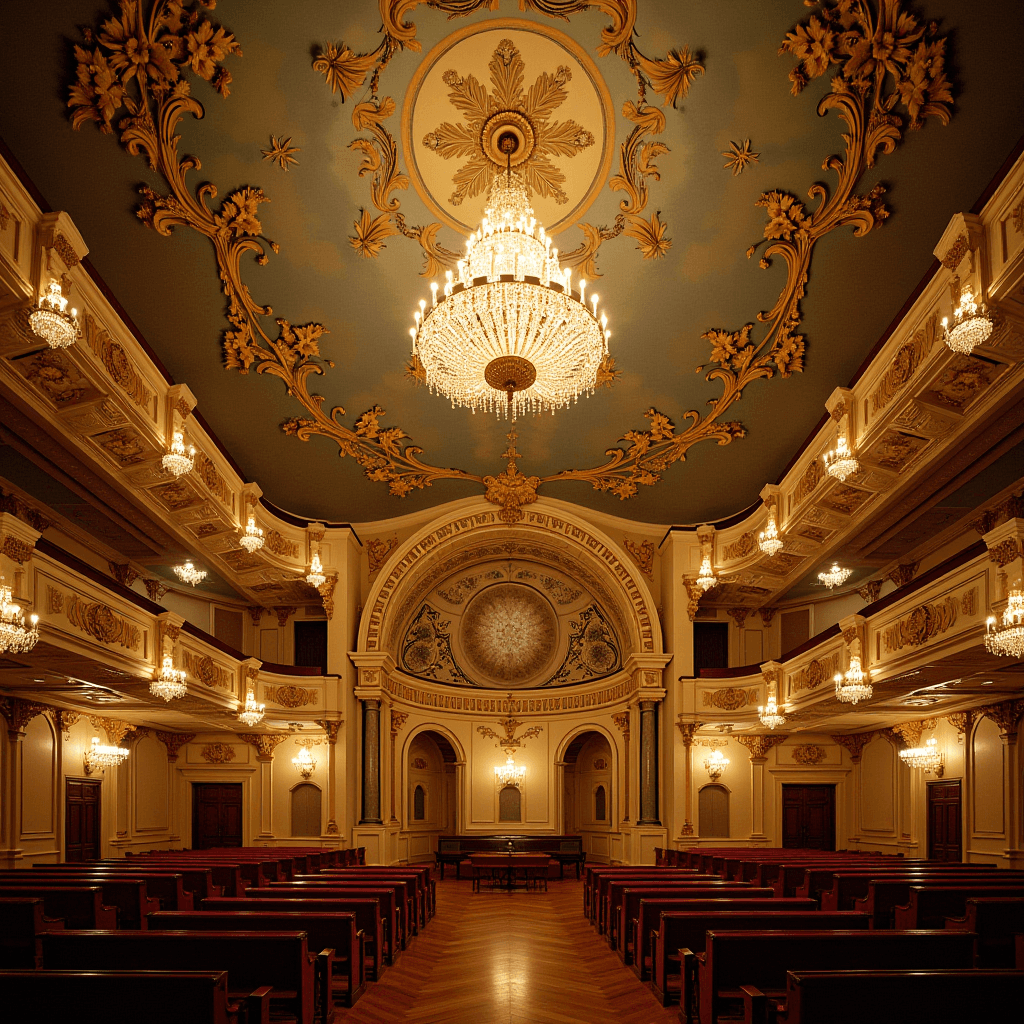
{"x": 508, "y": 958}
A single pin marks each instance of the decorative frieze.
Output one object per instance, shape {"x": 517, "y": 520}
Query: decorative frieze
{"x": 730, "y": 698}
{"x": 642, "y": 554}
{"x": 218, "y": 753}
{"x": 98, "y": 620}
{"x": 289, "y": 696}
{"x": 115, "y": 361}
{"x": 377, "y": 552}
{"x": 814, "y": 673}
{"x": 206, "y": 670}
{"x": 809, "y": 754}
{"x": 921, "y": 625}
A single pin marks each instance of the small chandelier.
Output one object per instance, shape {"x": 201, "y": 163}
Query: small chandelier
{"x": 188, "y": 573}
{"x": 251, "y": 713}
{"x": 971, "y": 325}
{"x": 51, "y": 320}
{"x": 771, "y": 715}
{"x": 1006, "y": 639}
{"x": 841, "y": 462}
{"x": 768, "y": 539}
{"x": 508, "y": 774}
{"x": 851, "y": 687}
{"x": 715, "y": 764}
{"x": 15, "y": 636}
{"x": 510, "y": 332}
{"x": 252, "y": 539}
{"x": 316, "y": 577}
{"x": 171, "y": 681}
{"x": 835, "y": 577}
{"x": 926, "y": 757}
{"x": 99, "y": 755}
{"x": 305, "y": 762}
{"x": 179, "y": 460}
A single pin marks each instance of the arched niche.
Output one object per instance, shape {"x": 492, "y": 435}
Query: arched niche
{"x": 306, "y": 806}
{"x": 713, "y": 811}
{"x": 429, "y": 759}
{"x": 589, "y": 767}
{"x": 38, "y": 778}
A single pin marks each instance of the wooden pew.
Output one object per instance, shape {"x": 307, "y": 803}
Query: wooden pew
{"x": 225, "y": 876}
{"x": 128, "y": 895}
{"x": 821, "y": 879}
{"x": 592, "y": 890}
{"x": 405, "y": 896}
{"x": 884, "y": 895}
{"x": 761, "y": 959}
{"x": 919, "y": 997}
{"x": 790, "y": 878}
{"x": 663, "y": 876}
{"x": 995, "y": 920}
{"x": 848, "y": 888}
{"x": 338, "y": 930}
{"x": 156, "y": 997}
{"x": 686, "y": 929}
{"x": 22, "y": 921}
{"x": 931, "y": 905}
{"x": 252, "y": 960}
{"x": 78, "y": 906}
{"x": 197, "y": 881}
{"x": 426, "y": 887}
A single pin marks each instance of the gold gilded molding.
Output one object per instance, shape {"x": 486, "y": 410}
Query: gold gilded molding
{"x": 855, "y": 743}
{"x": 291, "y": 696}
{"x": 642, "y": 554}
{"x": 904, "y": 364}
{"x": 759, "y": 746}
{"x": 66, "y": 251}
{"x": 281, "y": 152}
{"x": 276, "y": 544}
{"x": 264, "y": 743}
{"x": 731, "y": 698}
{"x": 218, "y": 753}
{"x": 510, "y": 489}
{"x": 870, "y": 591}
{"x": 115, "y": 361}
{"x": 19, "y": 713}
{"x": 124, "y": 574}
{"x": 923, "y": 623}
{"x": 814, "y": 673}
{"x": 809, "y": 753}
{"x": 19, "y": 551}
{"x": 377, "y": 552}
{"x": 740, "y": 548}
{"x": 174, "y": 741}
{"x": 98, "y": 620}
{"x": 738, "y": 156}
{"x": 206, "y": 670}
{"x": 1004, "y": 553}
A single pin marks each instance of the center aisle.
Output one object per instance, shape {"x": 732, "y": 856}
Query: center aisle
{"x": 508, "y": 958}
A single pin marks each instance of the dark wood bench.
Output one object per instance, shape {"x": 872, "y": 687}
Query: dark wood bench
{"x": 790, "y": 878}
{"x": 929, "y": 906}
{"x": 225, "y": 876}
{"x": 655, "y": 876}
{"x": 197, "y": 881}
{"x": 129, "y": 896}
{"x": 848, "y": 887}
{"x": 418, "y": 902}
{"x": 404, "y": 898}
{"x": 300, "y": 982}
{"x": 336, "y": 930}
{"x": 426, "y": 887}
{"x": 994, "y": 920}
{"x": 78, "y": 906}
{"x": 820, "y": 879}
{"x": 155, "y": 997}
{"x": 884, "y": 895}
{"x": 762, "y": 959}
{"x": 593, "y": 874}
{"x": 22, "y": 921}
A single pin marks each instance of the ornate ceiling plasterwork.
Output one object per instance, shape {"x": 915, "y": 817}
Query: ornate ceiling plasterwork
{"x": 888, "y": 75}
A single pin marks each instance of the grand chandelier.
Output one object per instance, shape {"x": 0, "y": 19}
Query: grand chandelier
{"x": 508, "y": 774}
{"x": 971, "y": 324}
{"x": 768, "y": 539}
{"x": 179, "y": 460}
{"x": 170, "y": 684}
{"x": 305, "y": 762}
{"x": 316, "y": 577}
{"x": 252, "y": 539}
{"x": 841, "y": 462}
{"x": 15, "y": 636}
{"x": 1007, "y": 638}
{"x": 188, "y": 573}
{"x": 852, "y": 686}
{"x": 510, "y": 333}
{"x": 715, "y": 764}
{"x": 771, "y": 715}
{"x": 51, "y": 320}
{"x": 103, "y": 756}
{"x": 926, "y": 757}
{"x": 251, "y": 713}
{"x": 835, "y": 577}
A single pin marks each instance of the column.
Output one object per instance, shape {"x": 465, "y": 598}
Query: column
{"x": 371, "y": 762}
{"x": 1007, "y": 715}
{"x": 687, "y": 730}
{"x": 398, "y": 719}
{"x": 648, "y": 763}
{"x": 621, "y": 721}
{"x": 174, "y": 741}
{"x": 265, "y": 743}
{"x": 331, "y": 728}
{"x": 759, "y": 746}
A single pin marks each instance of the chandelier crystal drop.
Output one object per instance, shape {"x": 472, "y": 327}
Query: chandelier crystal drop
{"x": 188, "y": 573}
{"x": 252, "y": 539}
{"x": 972, "y": 324}
{"x": 851, "y": 686}
{"x": 251, "y": 713}
{"x": 771, "y": 715}
{"x": 15, "y": 636}
{"x": 835, "y": 577}
{"x": 508, "y": 774}
{"x": 706, "y": 578}
{"x": 926, "y": 757}
{"x": 1006, "y": 637}
{"x": 769, "y": 540}
{"x": 105, "y": 756}
{"x": 51, "y": 321}
{"x": 179, "y": 460}
{"x": 715, "y": 764}
{"x": 841, "y": 462}
{"x": 509, "y": 333}
{"x": 316, "y": 577}
{"x": 305, "y": 762}
{"x": 170, "y": 684}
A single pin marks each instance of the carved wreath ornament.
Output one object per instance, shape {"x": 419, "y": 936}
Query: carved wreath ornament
{"x": 134, "y": 76}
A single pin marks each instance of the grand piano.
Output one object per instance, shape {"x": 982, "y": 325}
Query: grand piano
{"x": 564, "y": 849}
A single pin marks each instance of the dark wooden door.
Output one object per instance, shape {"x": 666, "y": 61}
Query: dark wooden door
{"x": 808, "y": 817}
{"x": 311, "y": 644}
{"x": 216, "y": 814}
{"x": 710, "y": 645}
{"x": 81, "y": 820}
{"x": 944, "y": 821}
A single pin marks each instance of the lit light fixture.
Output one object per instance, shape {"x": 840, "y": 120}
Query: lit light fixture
{"x": 316, "y": 577}
{"x": 1007, "y": 638}
{"x": 251, "y": 713}
{"x": 841, "y": 462}
{"x": 715, "y": 764}
{"x": 972, "y": 324}
{"x": 706, "y": 578}
{"x": 768, "y": 539}
{"x": 852, "y": 686}
{"x": 170, "y": 684}
{"x": 771, "y": 715}
{"x": 188, "y": 573}
{"x": 179, "y": 460}
{"x": 508, "y": 774}
{"x": 15, "y": 636}
{"x": 305, "y": 762}
{"x": 926, "y": 757}
{"x": 51, "y": 320}
{"x": 100, "y": 755}
{"x": 508, "y": 332}
{"x": 835, "y": 577}
{"x": 252, "y": 539}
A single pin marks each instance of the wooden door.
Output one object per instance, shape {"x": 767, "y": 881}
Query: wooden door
{"x": 710, "y": 645}
{"x": 81, "y": 820}
{"x": 216, "y": 814}
{"x": 944, "y": 821}
{"x": 808, "y": 817}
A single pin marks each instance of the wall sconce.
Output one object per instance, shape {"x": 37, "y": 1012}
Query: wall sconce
{"x": 927, "y": 757}
{"x": 715, "y": 764}
{"x": 508, "y": 774}
{"x": 305, "y": 763}
{"x": 100, "y": 756}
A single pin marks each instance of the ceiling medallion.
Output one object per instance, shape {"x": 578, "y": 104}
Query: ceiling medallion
{"x": 834, "y": 577}
{"x": 972, "y": 324}
{"x": 188, "y": 573}
{"x": 1005, "y": 637}
{"x": 15, "y": 636}
{"x": 170, "y": 684}
{"x": 51, "y": 321}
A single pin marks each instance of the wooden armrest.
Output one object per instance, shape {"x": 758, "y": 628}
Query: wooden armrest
{"x": 324, "y": 970}
{"x": 360, "y": 980}
{"x": 755, "y": 1005}
{"x": 257, "y": 1006}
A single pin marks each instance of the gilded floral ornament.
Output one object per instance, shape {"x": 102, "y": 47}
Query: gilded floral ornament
{"x": 281, "y": 152}
{"x": 738, "y": 156}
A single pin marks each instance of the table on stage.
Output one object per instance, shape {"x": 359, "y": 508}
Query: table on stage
{"x": 506, "y": 870}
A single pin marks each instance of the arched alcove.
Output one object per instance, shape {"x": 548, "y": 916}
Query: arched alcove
{"x": 306, "y": 809}
{"x": 589, "y": 771}
{"x": 713, "y": 812}
{"x": 510, "y": 804}
{"x": 430, "y": 799}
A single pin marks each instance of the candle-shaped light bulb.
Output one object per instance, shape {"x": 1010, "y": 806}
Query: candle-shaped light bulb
{"x": 604, "y": 320}
{"x": 433, "y": 291}
{"x": 593, "y": 299}
{"x": 416, "y": 317}
{"x": 423, "y": 305}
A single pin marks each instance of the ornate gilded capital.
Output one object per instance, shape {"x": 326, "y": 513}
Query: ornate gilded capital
{"x": 64, "y": 720}
{"x": 739, "y": 615}
{"x": 19, "y": 713}
{"x": 621, "y": 720}
{"x": 688, "y": 730}
{"x": 905, "y": 734}
{"x": 1005, "y": 714}
{"x": 760, "y": 745}
{"x": 326, "y": 590}
{"x": 114, "y": 728}
{"x": 961, "y": 721}
{"x": 398, "y": 720}
{"x": 694, "y": 593}
{"x": 854, "y": 742}
{"x": 265, "y": 743}
{"x": 331, "y": 727}
{"x": 174, "y": 741}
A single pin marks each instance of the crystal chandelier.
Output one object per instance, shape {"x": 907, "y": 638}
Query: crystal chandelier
{"x": 508, "y": 774}
{"x": 15, "y": 636}
{"x": 851, "y": 687}
{"x": 841, "y": 462}
{"x": 252, "y": 539}
{"x": 835, "y": 577}
{"x": 251, "y": 713}
{"x": 171, "y": 681}
{"x": 316, "y": 577}
{"x": 715, "y": 764}
{"x": 769, "y": 540}
{"x": 1006, "y": 639}
{"x": 510, "y": 333}
{"x": 926, "y": 757}
{"x": 179, "y": 460}
{"x": 771, "y": 715}
{"x": 188, "y": 573}
{"x": 51, "y": 320}
{"x": 103, "y": 756}
{"x": 305, "y": 762}
{"x": 971, "y": 325}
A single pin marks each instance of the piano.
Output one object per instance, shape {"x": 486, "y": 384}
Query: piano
{"x": 564, "y": 849}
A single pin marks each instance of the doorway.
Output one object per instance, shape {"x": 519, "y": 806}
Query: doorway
{"x": 944, "y": 821}
{"x": 311, "y": 644}
{"x": 710, "y": 645}
{"x": 216, "y": 814}
{"x": 81, "y": 820}
{"x": 808, "y": 817}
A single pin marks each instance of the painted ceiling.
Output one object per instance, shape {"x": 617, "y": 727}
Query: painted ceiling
{"x": 670, "y": 148}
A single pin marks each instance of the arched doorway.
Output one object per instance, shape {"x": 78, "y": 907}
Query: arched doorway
{"x": 430, "y": 799}
{"x": 587, "y": 793}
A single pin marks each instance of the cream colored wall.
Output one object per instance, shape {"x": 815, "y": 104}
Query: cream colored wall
{"x": 584, "y": 780}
